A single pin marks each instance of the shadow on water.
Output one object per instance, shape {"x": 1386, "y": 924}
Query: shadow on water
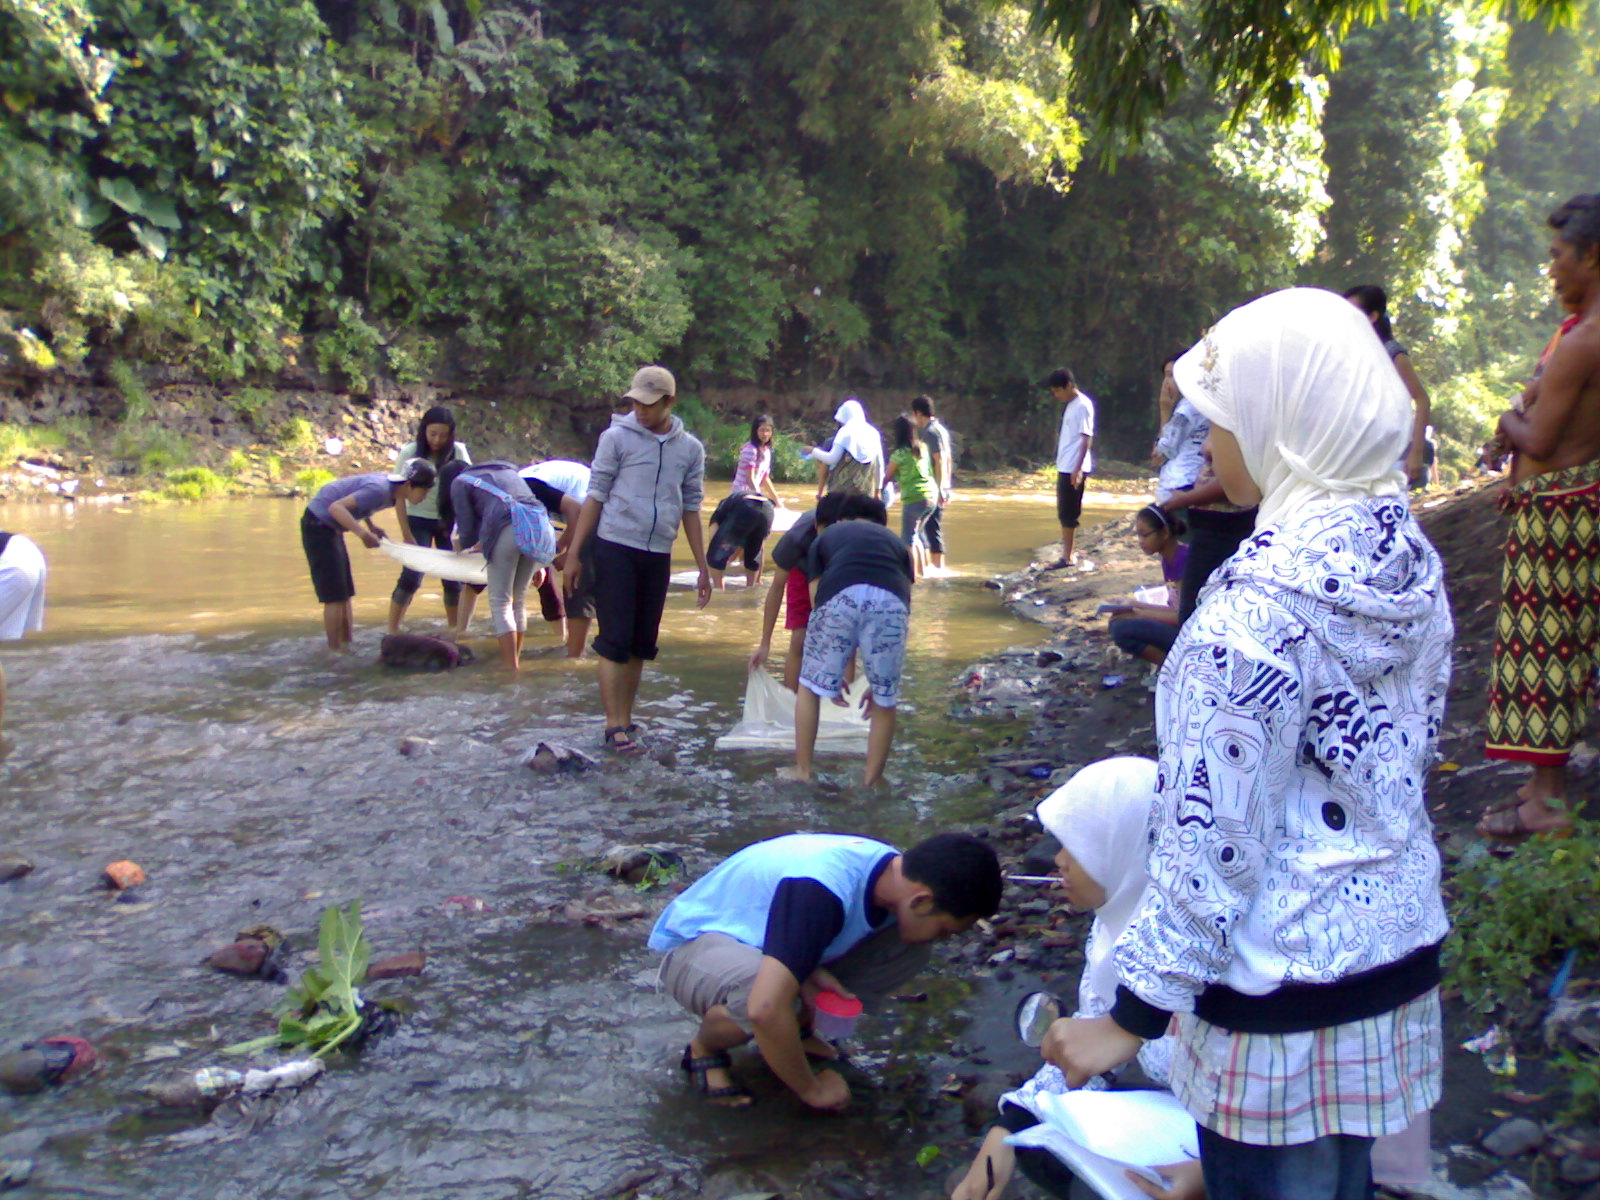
{"x": 181, "y": 713}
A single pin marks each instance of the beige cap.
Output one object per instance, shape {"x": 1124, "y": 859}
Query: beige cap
{"x": 651, "y": 385}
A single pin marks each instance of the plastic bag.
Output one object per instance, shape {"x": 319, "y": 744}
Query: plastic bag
{"x": 767, "y": 722}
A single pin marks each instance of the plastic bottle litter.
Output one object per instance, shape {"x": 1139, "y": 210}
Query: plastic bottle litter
{"x": 1113, "y": 681}
{"x": 284, "y": 1075}
{"x": 210, "y": 1086}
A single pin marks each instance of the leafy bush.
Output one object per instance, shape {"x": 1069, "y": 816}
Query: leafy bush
{"x": 1515, "y": 916}
{"x": 248, "y": 402}
{"x": 297, "y": 436}
{"x": 351, "y": 347}
{"x": 312, "y": 480}
{"x": 273, "y": 466}
{"x": 194, "y": 483}
{"x": 238, "y": 463}
{"x": 135, "y": 396}
{"x": 1514, "y": 920}
{"x": 152, "y": 448}
{"x": 19, "y": 441}
{"x": 725, "y": 436}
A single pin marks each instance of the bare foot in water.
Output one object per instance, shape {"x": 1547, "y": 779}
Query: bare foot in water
{"x": 793, "y": 775}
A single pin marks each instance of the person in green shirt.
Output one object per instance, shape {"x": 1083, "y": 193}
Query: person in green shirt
{"x": 911, "y": 468}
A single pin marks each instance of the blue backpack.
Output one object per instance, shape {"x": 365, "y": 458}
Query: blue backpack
{"x": 536, "y": 537}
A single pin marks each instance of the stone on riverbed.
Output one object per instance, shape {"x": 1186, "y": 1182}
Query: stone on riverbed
{"x": 124, "y": 874}
{"x": 554, "y": 758}
{"x": 398, "y": 966}
{"x": 256, "y": 952}
{"x": 1513, "y": 1137}
{"x": 38, "y": 1065}
{"x": 13, "y": 866}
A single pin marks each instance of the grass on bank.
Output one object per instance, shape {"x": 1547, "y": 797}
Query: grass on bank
{"x": 1515, "y": 919}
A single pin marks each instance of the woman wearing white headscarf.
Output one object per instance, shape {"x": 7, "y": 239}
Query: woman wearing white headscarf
{"x": 1294, "y": 919}
{"x": 1101, "y": 818}
{"x": 854, "y": 462}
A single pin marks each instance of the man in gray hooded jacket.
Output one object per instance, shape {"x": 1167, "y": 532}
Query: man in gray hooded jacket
{"x": 647, "y": 479}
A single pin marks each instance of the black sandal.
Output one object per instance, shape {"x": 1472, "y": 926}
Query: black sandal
{"x": 621, "y": 743}
{"x": 734, "y": 1095}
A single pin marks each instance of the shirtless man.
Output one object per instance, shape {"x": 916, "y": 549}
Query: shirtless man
{"x": 1550, "y": 585}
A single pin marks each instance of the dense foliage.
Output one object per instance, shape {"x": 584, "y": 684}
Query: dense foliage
{"x": 803, "y": 194}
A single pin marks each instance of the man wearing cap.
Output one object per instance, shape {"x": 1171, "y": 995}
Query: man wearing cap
{"x": 342, "y": 506}
{"x": 648, "y": 478}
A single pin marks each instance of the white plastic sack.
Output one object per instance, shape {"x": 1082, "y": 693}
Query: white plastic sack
{"x": 768, "y": 719}
{"x": 446, "y": 564}
{"x": 733, "y": 578}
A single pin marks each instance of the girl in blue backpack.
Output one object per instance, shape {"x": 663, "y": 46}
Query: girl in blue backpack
{"x": 496, "y": 513}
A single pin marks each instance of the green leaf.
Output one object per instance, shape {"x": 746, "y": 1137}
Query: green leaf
{"x": 926, "y": 1155}
{"x": 124, "y": 195}
{"x": 151, "y": 238}
{"x": 159, "y": 210}
{"x": 441, "y": 26}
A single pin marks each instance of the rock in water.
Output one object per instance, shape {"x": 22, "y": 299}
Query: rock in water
{"x": 398, "y": 966}
{"x": 124, "y": 874}
{"x": 257, "y": 951}
{"x": 418, "y": 652}
{"x": 1513, "y": 1137}
{"x": 641, "y": 864}
{"x": 13, "y": 866}
{"x": 554, "y": 758}
{"x": 38, "y": 1065}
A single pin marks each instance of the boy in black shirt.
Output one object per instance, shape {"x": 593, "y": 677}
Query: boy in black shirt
{"x": 861, "y": 575}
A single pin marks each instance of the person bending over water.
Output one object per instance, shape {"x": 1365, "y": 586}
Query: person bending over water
{"x": 419, "y": 523}
{"x": 861, "y": 579}
{"x": 751, "y": 944}
{"x": 496, "y": 512}
{"x": 790, "y": 589}
{"x": 346, "y": 506}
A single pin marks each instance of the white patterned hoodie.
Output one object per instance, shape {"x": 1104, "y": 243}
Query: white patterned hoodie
{"x": 1297, "y": 717}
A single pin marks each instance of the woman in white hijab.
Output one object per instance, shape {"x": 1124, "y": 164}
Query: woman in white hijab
{"x": 1100, "y": 816}
{"x": 854, "y": 463}
{"x": 1294, "y": 918}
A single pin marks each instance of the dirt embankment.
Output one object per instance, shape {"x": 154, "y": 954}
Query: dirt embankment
{"x": 1077, "y": 700}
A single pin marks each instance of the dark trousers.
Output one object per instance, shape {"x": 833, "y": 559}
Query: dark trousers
{"x": 1213, "y": 537}
{"x": 1337, "y": 1167}
{"x": 933, "y": 530}
{"x": 1133, "y": 634}
{"x": 630, "y": 588}
{"x": 426, "y": 531}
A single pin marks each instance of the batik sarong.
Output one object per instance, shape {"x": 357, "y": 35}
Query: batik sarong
{"x": 1544, "y": 649}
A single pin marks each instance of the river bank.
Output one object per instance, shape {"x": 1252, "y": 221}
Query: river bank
{"x": 1075, "y": 701}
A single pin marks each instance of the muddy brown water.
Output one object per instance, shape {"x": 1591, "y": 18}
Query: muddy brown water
{"x": 180, "y": 712}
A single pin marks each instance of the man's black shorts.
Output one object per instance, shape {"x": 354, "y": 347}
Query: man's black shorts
{"x": 329, "y": 561}
{"x": 1069, "y": 500}
{"x": 630, "y": 590}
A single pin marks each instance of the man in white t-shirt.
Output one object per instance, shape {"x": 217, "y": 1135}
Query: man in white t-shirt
{"x": 1074, "y": 457}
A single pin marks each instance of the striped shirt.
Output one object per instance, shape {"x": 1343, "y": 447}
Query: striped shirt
{"x": 1364, "y": 1078}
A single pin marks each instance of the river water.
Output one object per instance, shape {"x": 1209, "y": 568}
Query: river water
{"x": 181, "y": 712}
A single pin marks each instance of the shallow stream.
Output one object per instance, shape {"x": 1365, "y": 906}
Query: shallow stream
{"x": 181, "y": 712}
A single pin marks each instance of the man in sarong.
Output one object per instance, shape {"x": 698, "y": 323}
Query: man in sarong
{"x": 1545, "y": 651}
